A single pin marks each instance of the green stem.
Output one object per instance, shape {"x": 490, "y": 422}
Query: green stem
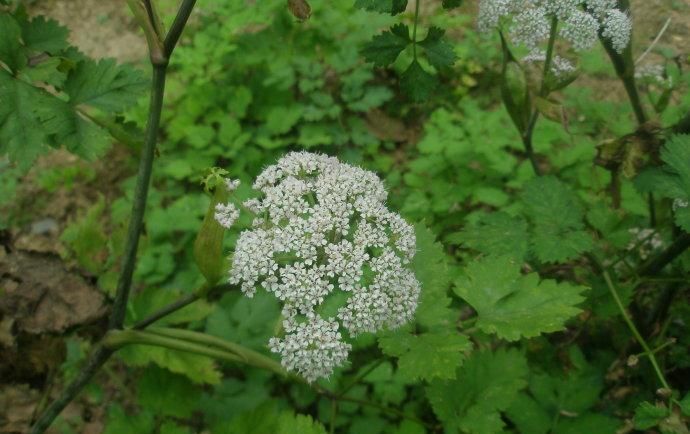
{"x": 360, "y": 377}
{"x": 248, "y": 356}
{"x": 647, "y": 351}
{"x": 136, "y": 221}
{"x": 414, "y": 29}
{"x": 543, "y": 92}
{"x": 549, "y": 56}
{"x": 116, "y": 339}
{"x": 102, "y": 354}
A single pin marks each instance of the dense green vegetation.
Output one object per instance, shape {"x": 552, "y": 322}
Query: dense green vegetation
{"x": 555, "y": 285}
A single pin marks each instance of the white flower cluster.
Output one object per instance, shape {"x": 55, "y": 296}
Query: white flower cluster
{"x": 645, "y": 241}
{"x": 581, "y": 21}
{"x": 322, "y": 230}
{"x": 559, "y": 66}
{"x": 654, "y": 74}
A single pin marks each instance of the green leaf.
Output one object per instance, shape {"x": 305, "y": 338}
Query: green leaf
{"x": 431, "y": 269}
{"x": 11, "y": 52}
{"x": 120, "y": 422}
{"x": 528, "y": 416}
{"x": 289, "y": 423}
{"x": 588, "y": 423}
{"x": 165, "y": 393}
{"x": 496, "y": 234}
{"x": 685, "y": 405}
{"x": 87, "y": 240}
{"x": 105, "y": 85}
{"x": 648, "y": 415}
{"x": 385, "y": 47}
{"x": 512, "y": 305}
{"x": 486, "y": 384}
{"x": 199, "y": 369}
{"x": 426, "y": 356}
{"x": 417, "y": 83}
{"x": 556, "y": 214}
{"x": 45, "y": 35}
{"x": 438, "y": 50}
{"x": 22, "y": 134}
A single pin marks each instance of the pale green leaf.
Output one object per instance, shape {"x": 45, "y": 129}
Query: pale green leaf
{"x": 648, "y": 415}
{"x": 512, "y": 305}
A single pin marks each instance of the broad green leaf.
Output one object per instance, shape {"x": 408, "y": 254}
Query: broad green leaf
{"x": 496, "y": 234}
{"x": 685, "y": 405}
{"x": 673, "y": 179}
{"x": 512, "y": 305}
{"x": 426, "y": 356}
{"x": 11, "y": 52}
{"x": 385, "y": 47}
{"x": 417, "y": 83}
{"x": 556, "y": 214}
{"x": 46, "y": 35}
{"x": 165, "y": 393}
{"x": 22, "y": 134}
{"x": 487, "y": 384}
{"x": 437, "y": 48}
{"x": 528, "y": 416}
{"x": 648, "y": 415}
{"x": 105, "y": 85}
{"x": 170, "y": 427}
{"x": 289, "y": 423}
{"x": 431, "y": 269}
{"x": 119, "y": 422}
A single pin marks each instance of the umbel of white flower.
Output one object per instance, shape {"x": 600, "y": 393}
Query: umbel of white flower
{"x": 580, "y": 21}
{"x": 322, "y": 233}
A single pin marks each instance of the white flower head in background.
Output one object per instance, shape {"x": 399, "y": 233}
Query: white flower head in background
{"x": 580, "y": 21}
{"x": 322, "y": 234}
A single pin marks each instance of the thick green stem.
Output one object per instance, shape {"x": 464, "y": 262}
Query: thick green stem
{"x": 136, "y": 221}
{"x": 645, "y": 347}
{"x": 116, "y": 339}
{"x": 543, "y": 92}
{"x": 247, "y": 355}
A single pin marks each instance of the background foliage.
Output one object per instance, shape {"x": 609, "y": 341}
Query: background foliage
{"x": 517, "y": 330}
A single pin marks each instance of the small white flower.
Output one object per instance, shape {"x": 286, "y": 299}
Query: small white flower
{"x": 232, "y": 184}
{"x": 559, "y": 66}
{"x": 617, "y": 28}
{"x": 226, "y": 214}
{"x": 580, "y": 21}
{"x": 322, "y": 230}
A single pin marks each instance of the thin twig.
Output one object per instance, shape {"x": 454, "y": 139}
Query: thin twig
{"x": 654, "y": 42}
{"x": 636, "y": 333}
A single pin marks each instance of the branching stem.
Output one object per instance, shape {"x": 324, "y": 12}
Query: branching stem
{"x": 633, "y": 329}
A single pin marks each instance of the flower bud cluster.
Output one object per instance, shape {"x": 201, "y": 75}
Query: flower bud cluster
{"x": 321, "y": 233}
{"x": 580, "y": 21}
